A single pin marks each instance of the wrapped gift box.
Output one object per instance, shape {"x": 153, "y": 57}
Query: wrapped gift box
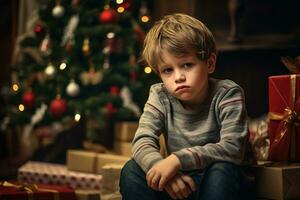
{"x": 124, "y": 131}
{"x": 83, "y": 194}
{"x": 18, "y": 190}
{"x": 113, "y": 196}
{"x": 122, "y": 148}
{"x": 278, "y": 181}
{"x": 84, "y": 161}
{"x": 111, "y": 177}
{"x": 48, "y": 173}
{"x": 284, "y": 117}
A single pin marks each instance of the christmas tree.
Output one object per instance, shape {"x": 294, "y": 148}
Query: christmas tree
{"x": 79, "y": 66}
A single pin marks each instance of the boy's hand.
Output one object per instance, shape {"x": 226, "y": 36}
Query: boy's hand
{"x": 162, "y": 172}
{"x": 180, "y": 187}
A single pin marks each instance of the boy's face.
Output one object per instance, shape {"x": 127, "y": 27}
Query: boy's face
{"x": 186, "y": 77}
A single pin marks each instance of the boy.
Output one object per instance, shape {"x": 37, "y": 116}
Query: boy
{"x": 203, "y": 120}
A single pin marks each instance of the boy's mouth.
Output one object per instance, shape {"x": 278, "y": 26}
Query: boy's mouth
{"x": 181, "y": 87}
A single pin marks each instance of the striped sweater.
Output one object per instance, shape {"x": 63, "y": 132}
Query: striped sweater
{"x": 216, "y": 131}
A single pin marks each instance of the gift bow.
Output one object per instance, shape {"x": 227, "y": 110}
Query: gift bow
{"x": 29, "y": 188}
{"x": 289, "y": 120}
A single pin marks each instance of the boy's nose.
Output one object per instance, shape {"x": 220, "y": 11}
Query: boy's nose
{"x": 179, "y": 77}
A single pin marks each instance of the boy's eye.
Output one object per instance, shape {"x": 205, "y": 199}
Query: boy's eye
{"x": 167, "y": 70}
{"x": 188, "y": 65}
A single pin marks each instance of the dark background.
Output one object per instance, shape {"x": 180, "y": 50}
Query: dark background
{"x": 269, "y": 29}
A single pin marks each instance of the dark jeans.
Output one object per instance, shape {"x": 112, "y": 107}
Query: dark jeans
{"x": 221, "y": 180}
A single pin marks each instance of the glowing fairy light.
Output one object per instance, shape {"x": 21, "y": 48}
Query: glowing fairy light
{"x": 120, "y": 9}
{"x": 15, "y": 87}
{"x": 77, "y": 117}
{"x": 119, "y": 1}
{"x": 110, "y": 35}
{"x": 21, "y": 107}
{"x": 145, "y": 19}
{"x": 63, "y": 66}
{"x": 147, "y": 70}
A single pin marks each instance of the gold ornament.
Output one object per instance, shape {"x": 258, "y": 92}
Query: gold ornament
{"x": 86, "y": 47}
{"x": 92, "y": 77}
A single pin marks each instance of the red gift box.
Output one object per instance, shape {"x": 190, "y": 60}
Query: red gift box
{"x": 16, "y": 190}
{"x": 284, "y": 116}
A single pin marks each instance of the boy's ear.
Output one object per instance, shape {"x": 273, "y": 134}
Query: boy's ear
{"x": 211, "y": 62}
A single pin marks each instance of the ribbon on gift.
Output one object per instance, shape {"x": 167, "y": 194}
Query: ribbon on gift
{"x": 29, "y": 189}
{"x": 289, "y": 121}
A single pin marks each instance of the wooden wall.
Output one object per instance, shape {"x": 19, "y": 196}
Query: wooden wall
{"x": 164, "y": 7}
{"x": 8, "y": 17}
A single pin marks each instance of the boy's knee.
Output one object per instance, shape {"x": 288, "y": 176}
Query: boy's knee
{"x": 129, "y": 167}
{"x": 223, "y": 167}
{"x": 224, "y": 176}
{"x": 130, "y": 174}
{"x": 224, "y": 172}
{"x": 133, "y": 184}
{"x": 128, "y": 170}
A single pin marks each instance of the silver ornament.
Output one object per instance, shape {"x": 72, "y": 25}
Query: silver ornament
{"x": 73, "y": 89}
{"x": 58, "y": 11}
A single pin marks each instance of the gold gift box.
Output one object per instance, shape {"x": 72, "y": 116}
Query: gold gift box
{"x": 278, "y": 181}
{"x": 88, "y": 194}
{"x": 91, "y": 162}
{"x": 122, "y": 148}
{"x": 125, "y": 131}
{"x": 111, "y": 177}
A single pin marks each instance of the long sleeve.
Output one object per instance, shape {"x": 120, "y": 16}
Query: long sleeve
{"x": 230, "y": 115}
{"x": 216, "y": 131}
{"x": 145, "y": 145}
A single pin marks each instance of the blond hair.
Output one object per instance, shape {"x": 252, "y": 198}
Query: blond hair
{"x": 178, "y": 34}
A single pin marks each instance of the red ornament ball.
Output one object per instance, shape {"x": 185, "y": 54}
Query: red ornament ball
{"x": 110, "y": 110}
{"x": 28, "y": 99}
{"x": 39, "y": 30}
{"x": 108, "y": 16}
{"x": 114, "y": 90}
{"x": 58, "y": 107}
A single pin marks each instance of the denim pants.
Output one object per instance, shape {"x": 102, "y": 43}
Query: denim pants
{"x": 221, "y": 180}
